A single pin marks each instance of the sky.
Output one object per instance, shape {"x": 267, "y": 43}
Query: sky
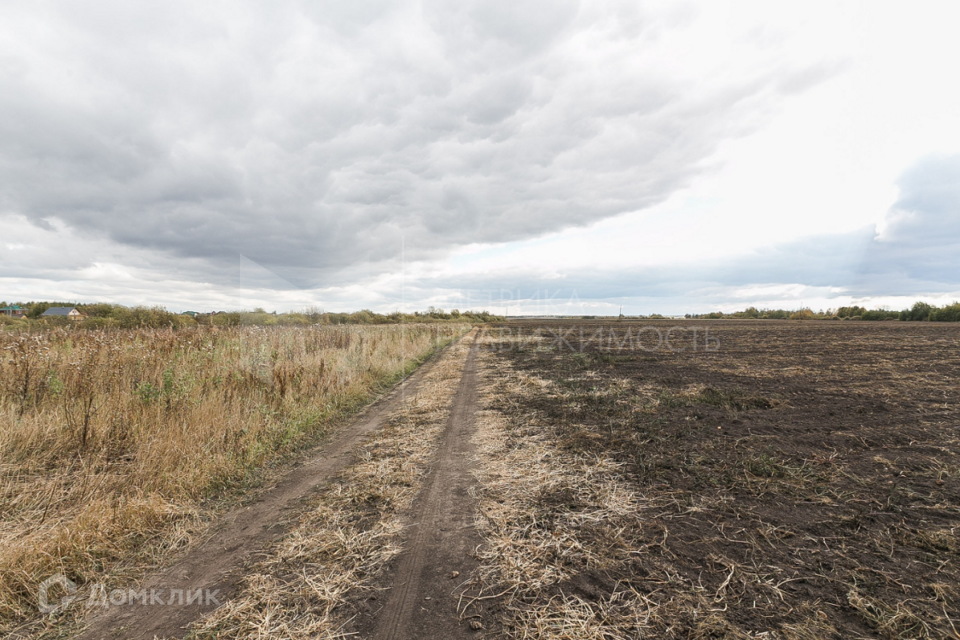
{"x": 523, "y": 157}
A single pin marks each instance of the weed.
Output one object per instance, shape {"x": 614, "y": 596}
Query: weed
{"x": 111, "y": 438}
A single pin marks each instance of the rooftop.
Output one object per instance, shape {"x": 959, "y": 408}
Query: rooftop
{"x": 59, "y": 311}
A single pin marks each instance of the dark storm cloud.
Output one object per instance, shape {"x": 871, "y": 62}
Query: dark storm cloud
{"x": 319, "y": 138}
{"x": 921, "y": 237}
{"x": 917, "y": 252}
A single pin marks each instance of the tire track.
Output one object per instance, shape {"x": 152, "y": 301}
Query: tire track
{"x": 423, "y": 601}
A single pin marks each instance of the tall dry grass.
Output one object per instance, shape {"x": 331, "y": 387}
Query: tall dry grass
{"x": 108, "y": 440}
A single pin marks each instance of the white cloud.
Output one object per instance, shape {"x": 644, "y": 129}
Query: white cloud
{"x": 297, "y": 153}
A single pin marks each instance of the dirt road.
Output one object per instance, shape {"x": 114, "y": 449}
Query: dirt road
{"x": 213, "y": 564}
{"x": 428, "y": 578}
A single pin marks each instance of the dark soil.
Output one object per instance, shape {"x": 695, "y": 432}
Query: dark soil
{"x": 807, "y": 472}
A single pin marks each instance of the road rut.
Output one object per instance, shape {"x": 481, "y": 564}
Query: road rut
{"x": 214, "y": 563}
{"x": 427, "y": 578}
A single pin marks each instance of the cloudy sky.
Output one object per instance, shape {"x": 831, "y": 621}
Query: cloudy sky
{"x": 520, "y": 156}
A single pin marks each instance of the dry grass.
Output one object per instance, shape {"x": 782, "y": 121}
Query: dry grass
{"x": 538, "y": 508}
{"x": 113, "y": 444}
{"x": 340, "y": 544}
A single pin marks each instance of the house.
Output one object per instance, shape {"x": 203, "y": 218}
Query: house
{"x": 14, "y": 311}
{"x": 69, "y": 312}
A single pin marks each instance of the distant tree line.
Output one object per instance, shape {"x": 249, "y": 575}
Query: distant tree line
{"x": 316, "y": 316}
{"x": 103, "y": 315}
{"x": 920, "y": 311}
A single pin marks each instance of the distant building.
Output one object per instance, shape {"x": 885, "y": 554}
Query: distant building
{"x": 192, "y": 314}
{"x": 14, "y": 311}
{"x": 69, "y": 312}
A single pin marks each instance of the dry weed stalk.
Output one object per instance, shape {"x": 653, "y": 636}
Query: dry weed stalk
{"x": 112, "y": 444}
{"x": 535, "y": 503}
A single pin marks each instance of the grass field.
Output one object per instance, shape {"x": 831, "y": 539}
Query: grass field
{"x": 797, "y": 480}
{"x": 116, "y": 447}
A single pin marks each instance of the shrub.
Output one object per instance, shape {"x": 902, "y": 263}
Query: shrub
{"x": 919, "y": 311}
{"x": 880, "y": 314}
{"x": 949, "y": 313}
{"x": 293, "y": 319}
{"x": 850, "y": 312}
